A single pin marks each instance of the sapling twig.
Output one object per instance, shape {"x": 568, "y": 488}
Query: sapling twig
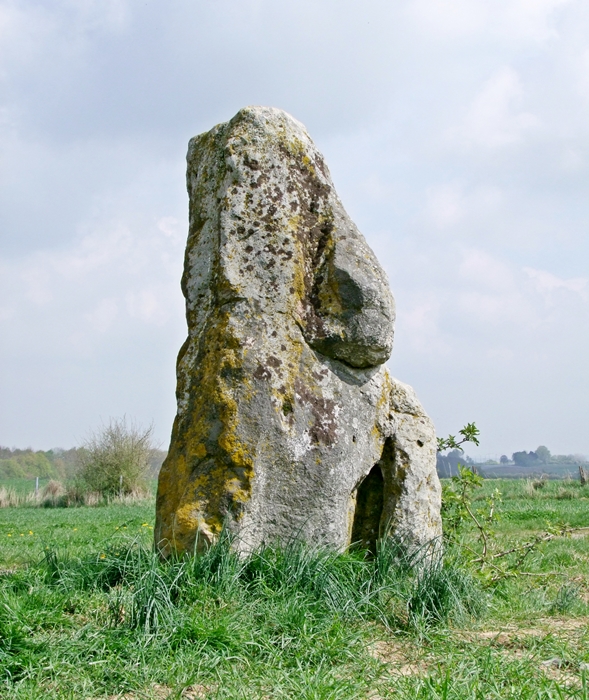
{"x": 470, "y": 433}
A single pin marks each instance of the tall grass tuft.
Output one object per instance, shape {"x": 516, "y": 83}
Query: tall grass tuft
{"x": 398, "y": 587}
{"x": 566, "y": 599}
{"x": 8, "y": 498}
{"x": 442, "y": 592}
{"x": 53, "y": 494}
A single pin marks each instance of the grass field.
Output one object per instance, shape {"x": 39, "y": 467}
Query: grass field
{"x": 23, "y": 486}
{"x": 86, "y": 611}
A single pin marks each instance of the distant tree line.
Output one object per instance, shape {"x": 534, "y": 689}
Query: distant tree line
{"x": 28, "y": 464}
{"x": 447, "y": 464}
{"x": 541, "y": 456}
{"x": 57, "y": 463}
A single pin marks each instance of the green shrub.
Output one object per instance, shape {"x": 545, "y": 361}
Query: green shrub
{"x": 116, "y": 458}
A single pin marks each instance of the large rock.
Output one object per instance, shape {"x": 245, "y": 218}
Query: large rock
{"x": 288, "y": 425}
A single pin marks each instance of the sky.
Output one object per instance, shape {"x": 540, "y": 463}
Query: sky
{"x": 457, "y": 135}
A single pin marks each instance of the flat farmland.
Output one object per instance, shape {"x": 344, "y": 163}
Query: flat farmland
{"x": 88, "y": 611}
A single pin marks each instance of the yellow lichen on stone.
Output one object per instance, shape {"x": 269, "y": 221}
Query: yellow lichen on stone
{"x": 283, "y": 390}
{"x": 200, "y": 450}
{"x": 309, "y": 165}
{"x": 291, "y": 144}
{"x": 193, "y": 499}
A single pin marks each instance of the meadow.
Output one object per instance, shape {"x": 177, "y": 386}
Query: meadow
{"x": 88, "y": 611}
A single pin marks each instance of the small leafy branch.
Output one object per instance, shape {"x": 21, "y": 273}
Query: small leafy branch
{"x": 495, "y": 565}
{"x": 491, "y": 562}
{"x": 470, "y": 433}
{"x": 457, "y": 506}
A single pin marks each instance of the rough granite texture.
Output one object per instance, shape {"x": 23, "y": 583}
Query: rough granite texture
{"x": 288, "y": 424}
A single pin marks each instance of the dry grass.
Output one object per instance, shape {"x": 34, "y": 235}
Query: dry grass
{"x": 132, "y": 498}
{"x": 9, "y": 498}
{"x": 57, "y": 495}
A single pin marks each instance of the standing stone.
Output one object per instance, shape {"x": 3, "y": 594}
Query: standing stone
{"x": 289, "y": 425}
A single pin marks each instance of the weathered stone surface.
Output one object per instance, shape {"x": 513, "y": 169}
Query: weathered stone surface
{"x": 288, "y": 424}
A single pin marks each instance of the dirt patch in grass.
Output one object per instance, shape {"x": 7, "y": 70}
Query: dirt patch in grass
{"x": 511, "y": 635}
{"x": 515, "y": 642}
{"x": 401, "y": 658}
{"x": 579, "y": 533}
{"x": 162, "y": 692}
{"x": 562, "y": 671}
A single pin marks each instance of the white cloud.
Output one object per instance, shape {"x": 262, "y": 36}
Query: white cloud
{"x": 449, "y": 18}
{"x": 583, "y": 75}
{"x": 101, "y": 318}
{"x": 101, "y": 248}
{"x": 149, "y": 304}
{"x": 133, "y": 265}
{"x": 36, "y": 281}
{"x": 532, "y": 19}
{"x": 171, "y": 227}
{"x": 572, "y": 160}
{"x": 547, "y": 284}
{"x": 486, "y": 271}
{"x": 421, "y": 324}
{"x": 494, "y": 118}
{"x": 22, "y": 35}
{"x": 516, "y": 20}
{"x": 26, "y": 29}
{"x": 496, "y": 294}
{"x": 109, "y": 303}
{"x": 458, "y": 212}
{"x": 494, "y": 339}
{"x": 446, "y": 205}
